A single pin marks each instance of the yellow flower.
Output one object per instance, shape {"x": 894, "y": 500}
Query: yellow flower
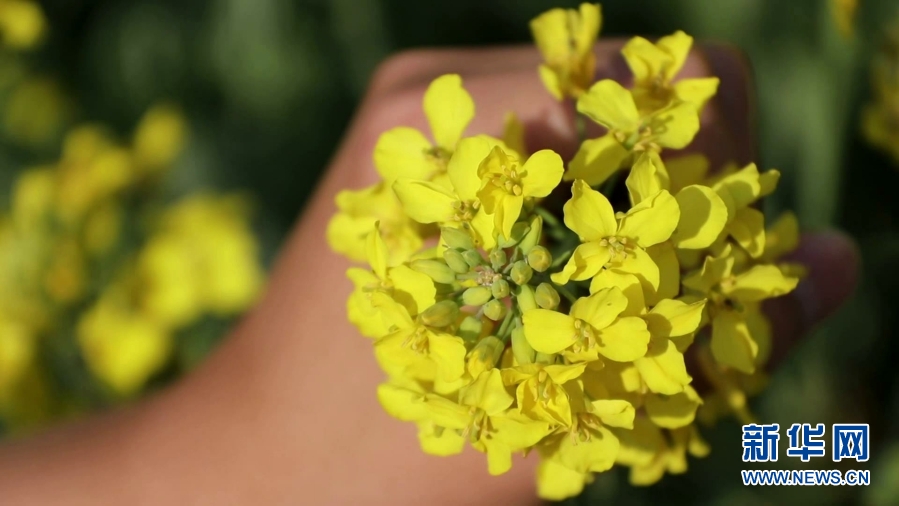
{"x": 506, "y": 183}
{"x": 413, "y": 290}
{"x": 732, "y": 297}
{"x": 618, "y": 243}
{"x": 484, "y": 416}
{"x": 843, "y": 13}
{"x": 655, "y": 67}
{"x": 541, "y": 393}
{"x": 357, "y": 213}
{"x": 160, "y": 137}
{"x": 614, "y": 107}
{"x": 36, "y": 111}
{"x": 22, "y": 23}
{"x": 565, "y": 38}
{"x": 414, "y": 349}
{"x": 18, "y": 351}
{"x": 739, "y": 190}
{"x": 406, "y": 152}
{"x": 457, "y": 204}
{"x": 406, "y": 400}
{"x": 593, "y": 328}
{"x": 649, "y": 454}
{"x": 122, "y": 347}
{"x": 555, "y": 482}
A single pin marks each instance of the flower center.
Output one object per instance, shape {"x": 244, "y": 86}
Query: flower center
{"x": 586, "y": 336}
{"x": 619, "y": 248}
{"x": 509, "y": 179}
{"x": 465, "y": 209}
{"x": 418, "y": 340}
{"x": 439, "y": 157}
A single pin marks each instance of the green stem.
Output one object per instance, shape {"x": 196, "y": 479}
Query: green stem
{"x": 504, "y": 326}
{"x": 566, "y": 293}
{"x": 548, "y": 217}
{"x": 561, "y": 259}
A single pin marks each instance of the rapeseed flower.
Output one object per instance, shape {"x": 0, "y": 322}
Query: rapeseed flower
{"x": 565, "y": 38}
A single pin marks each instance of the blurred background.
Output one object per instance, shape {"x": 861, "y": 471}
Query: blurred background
{"x": 154, "y": 153}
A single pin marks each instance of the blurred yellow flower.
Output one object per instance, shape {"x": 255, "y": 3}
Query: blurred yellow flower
{"x": 565, "y": 38}
{"x": 159, "y": 137}
{"x": 22, "y": 23}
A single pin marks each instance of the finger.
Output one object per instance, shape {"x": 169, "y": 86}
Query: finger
{"x": 833, "y": 263}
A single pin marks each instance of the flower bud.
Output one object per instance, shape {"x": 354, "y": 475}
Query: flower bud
{"x": 470, "y": 329}
{"x": 457, "y": 238}
{"x": 500, "y": 289}
{"x": 495, "y": 310}
{"x": 546, "y": 296}
{"x": 539, "y": 258}
{"x": 522, "y": 350}
{"x": 521, "y": 273}
{"x": 484, "y": 355}
{"x": 476, "y": 296}
{"x": 439, "y": 271}
{"x": 455, "y": 261}
{"x": 525, "y": 298}
{"x": 534, "y": 234}
{"x": 498, "y": 258}
{"x": 441, "y": 314}
{"x": 473, "y": 258}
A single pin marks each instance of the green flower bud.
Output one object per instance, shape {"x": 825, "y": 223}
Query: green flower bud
{"x": 546, "y": 296}
{"x": 457, "y": 238}
{"x": 439, "y": 271}
{"x": 521, "y": 273}
{"x": 455, "y": 261}
{"x": 525, "y": 298}
{"x": 470, "y": 329}
{"x": 473, "y": 258}
{"x": 522, "y": 350}
{"x": 476, "y": 296}
{"x": 539, "y": 258}
{"x": 519, "y": 230}
{"x": 441, "y": 314}
{"x": 535, "y": 233}
{"x": 500, "y": 289}
{"x": 495, "y": 310}
{"x": 498, "y": 258}
{"x": 484, "y": 355}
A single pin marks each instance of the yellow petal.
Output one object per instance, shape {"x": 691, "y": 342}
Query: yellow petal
{"x": 425, "y": 202}
{"x": 462, "y": 167}
{"x": 550, "y": 31}
{"x": 596, "y": 454}
{"x": 438, "y": 441}
{"x": 645, "y": 60}
{"x": 548, "y": 331}
{"x": 639, "y": 445}
{"x": 542, "y": 173}
{"x": 714, "y": 269}
{"x": 487, "y": 392}
{"x": 673, "y": 411}
{"x": 739, "y": 189}
{"x": 663, "y": 368}
{"x": 732, "y": 344}
{"x": 641, "y": 265}
{"x": 782, "y": 237}
{"x": 448, "y": 352}
{"x": 629, "y": 286}
{"x": 672, "y": 318}
{"x": 665, "y": 258}
{"x": 507, "y": 213}
{"x": 513, "y": 133}
{"x": 400, "y": 152}
{"x": 651, "y": 221}
{"x": 644, "y": 182}
{"x": 759, "y": 283}
{"x": 412, "y": 289}
{"x": 696, "y": 91}
{"x": 517, "y": 431}
{"x": 587, "y": 260}
{"x": 449, "y": 109}
{"x": 614, "y": 412}
{"x": 625, "y": 340}
{"x": 596, "y": 160}
{"x": 589, "y": 214}
{"x": 768, "y": 182}
{"x": 686, "y": 170}
{"x": 376, "y": 252}
{"x": 551, "y": 81}
{"x": 748, "y": 229}
{"x": 677, "y": 46}
{"x": 611, "y": 105}
{"x": 447, "y": 413}
{"x": 556, "y": 482}
{"x": 703, "y": 216}
{"x": 499, "y": 457}
{"x": 675, "y": 126}
{"x": 402, "y": 403}
{"x": 601, "y": 308}
{"x": 586, "y": 29}
{"x": 563, "y": 373}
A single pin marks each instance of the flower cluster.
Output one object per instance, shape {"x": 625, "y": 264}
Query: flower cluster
{"x": 533, "y": 326}
{"x": 95, "y": 269}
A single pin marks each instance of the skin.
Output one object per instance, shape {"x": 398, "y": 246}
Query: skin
{"x": 285, "y": 411}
